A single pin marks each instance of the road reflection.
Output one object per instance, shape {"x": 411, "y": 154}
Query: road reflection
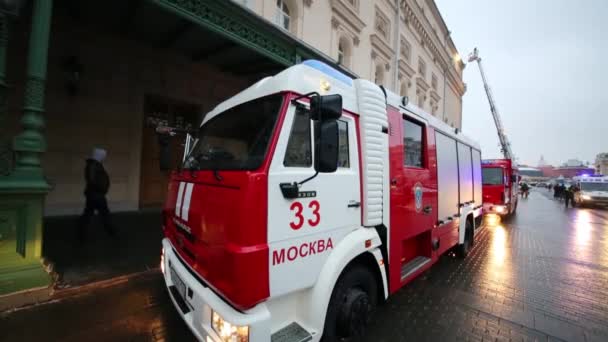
{"x": 582, "y": 229}
{"x": 499, "y": 266}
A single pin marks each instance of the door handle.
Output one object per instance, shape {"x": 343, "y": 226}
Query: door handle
{"x": 428, "y": 209}
{"x": 354, "y": 204}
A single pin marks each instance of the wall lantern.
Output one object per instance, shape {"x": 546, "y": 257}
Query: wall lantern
{"x": 11, "y": 7}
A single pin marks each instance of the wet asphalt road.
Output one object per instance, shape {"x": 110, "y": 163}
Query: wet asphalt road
{"x": 541, "y": 276}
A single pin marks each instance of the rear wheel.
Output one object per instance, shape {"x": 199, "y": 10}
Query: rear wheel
{"x": 351, "y": 305}
{"x": 463, "y": 249}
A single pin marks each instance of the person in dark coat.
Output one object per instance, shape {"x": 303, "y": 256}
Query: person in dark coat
{"x": 569, "y": 195}
{"x": 97, "y": 186}
{"x": 555, "y": 190}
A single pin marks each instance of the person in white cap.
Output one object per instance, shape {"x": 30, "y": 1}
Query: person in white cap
{"x": 97, "y": 186}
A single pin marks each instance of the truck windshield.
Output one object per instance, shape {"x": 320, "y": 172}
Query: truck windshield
{"x": 587, "y": 186}
{"x": 238, "y": 138}
{"x": 492, "y": 175}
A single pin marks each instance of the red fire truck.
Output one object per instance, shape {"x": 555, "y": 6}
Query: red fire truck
{"x": 500, "y": 186}
{"x": 308, "y": 198}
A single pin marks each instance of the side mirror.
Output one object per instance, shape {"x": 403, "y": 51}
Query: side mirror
{"x": 326, "y": 107}
{"x": 327, "y": 147}
{"x": 164, "y": 151}
{"x": 514, "y": 178}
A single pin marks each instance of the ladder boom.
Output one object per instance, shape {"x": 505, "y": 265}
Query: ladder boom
{"x": 502, "y": 137}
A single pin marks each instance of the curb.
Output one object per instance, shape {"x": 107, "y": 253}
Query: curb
{"x": 47, "y": 295}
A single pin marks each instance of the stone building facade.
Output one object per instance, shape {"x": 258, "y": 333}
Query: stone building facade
{"x": 404, "y": 45}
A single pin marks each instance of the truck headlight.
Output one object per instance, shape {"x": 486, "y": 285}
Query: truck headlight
{"x": 499, "y": 209}
{"x": 586, "y": 197}
{"x": 162, "y": 260}
{"x": 229, "y": 332}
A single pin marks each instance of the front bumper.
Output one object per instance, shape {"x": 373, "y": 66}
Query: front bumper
{"x": 197, "y": 306}
{"x": 594, "y": 201}
{"x": 497, "y": 209}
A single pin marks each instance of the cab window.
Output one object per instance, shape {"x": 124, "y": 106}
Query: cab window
{"x": 343, "y": 154}
{"x": 413, "y": 155}
{"x": 299, "y": 146}
{"x": 298, "y": 153}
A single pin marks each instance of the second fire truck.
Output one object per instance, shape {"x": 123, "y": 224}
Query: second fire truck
{"x": 306, "y": 200}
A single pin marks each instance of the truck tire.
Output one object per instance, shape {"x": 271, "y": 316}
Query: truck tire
{"x": 351, "y": 305}
{"x": 463, "y": 249}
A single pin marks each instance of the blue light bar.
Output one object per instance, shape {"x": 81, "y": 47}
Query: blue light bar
{"x": 326, "y": 69}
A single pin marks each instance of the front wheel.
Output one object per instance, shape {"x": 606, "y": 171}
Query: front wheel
{"x": 351, "y": 305}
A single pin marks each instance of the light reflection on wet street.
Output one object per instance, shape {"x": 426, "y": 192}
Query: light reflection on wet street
{"x": 540, "y": 276}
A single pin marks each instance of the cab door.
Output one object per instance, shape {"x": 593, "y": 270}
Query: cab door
{"x": 413, "y": 189}
{"x": 303, "y": 231}
{"x": 413, "y": 192}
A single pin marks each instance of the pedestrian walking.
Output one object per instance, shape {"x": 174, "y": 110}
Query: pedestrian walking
{"x": 555, "y": 190}
{"x": 569, "y": 195}
{"x": 97, "y": 186}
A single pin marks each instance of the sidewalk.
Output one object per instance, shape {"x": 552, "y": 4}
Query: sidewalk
{"x": 133, "y": 308}
{"x": 136, "y": 249}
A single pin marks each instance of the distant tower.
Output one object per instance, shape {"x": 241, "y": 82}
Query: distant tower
{"x": 542, "y": 161}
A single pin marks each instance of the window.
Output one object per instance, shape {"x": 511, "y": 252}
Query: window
{"x": 403, "y": 91}
{"x": 406, "y": 50}
{"x": 343, "y": 156}
{"x": 412, "y": 143}
{"x": 422, "y": 68}
{"x": 492, "y": 176}
{"x": 383, "y": 26}
{"x": 379, "y": 75}
{"x": 298, "y": 153}
{"x": 434, "y": 108}
{"x": 238, "y": 138}
{"x": 434, "y": 82}
{"x": 344, "y": 51}
{"x": 588, "y": 186}
{"x": 283, "y": 18}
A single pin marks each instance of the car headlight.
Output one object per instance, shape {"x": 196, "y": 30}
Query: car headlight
{"x": 585, "y": 197}
{"x": 499, "y": 209}
{"x": 229, "y": 332}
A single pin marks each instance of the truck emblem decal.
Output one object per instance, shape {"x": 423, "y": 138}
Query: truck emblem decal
{"x": 418, "y": 196}
{"x": 182, "y": 204}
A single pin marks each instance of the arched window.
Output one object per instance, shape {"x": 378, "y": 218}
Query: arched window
{"x": 344, "y": 52}
{"x": 283, "y": 16}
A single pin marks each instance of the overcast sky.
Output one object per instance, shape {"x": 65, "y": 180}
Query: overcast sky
{"x": 546, "y": 61}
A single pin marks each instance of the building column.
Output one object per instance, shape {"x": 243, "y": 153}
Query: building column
{"x": 23, "y": 190}
{"x": 30, "y": 143}
{"x": 3, "y": 86}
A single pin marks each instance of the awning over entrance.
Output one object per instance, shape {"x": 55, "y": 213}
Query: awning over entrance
{"x": 221, "y": 33}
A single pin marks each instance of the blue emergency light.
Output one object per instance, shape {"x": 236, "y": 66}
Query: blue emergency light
{"x": 329, "y": 71}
